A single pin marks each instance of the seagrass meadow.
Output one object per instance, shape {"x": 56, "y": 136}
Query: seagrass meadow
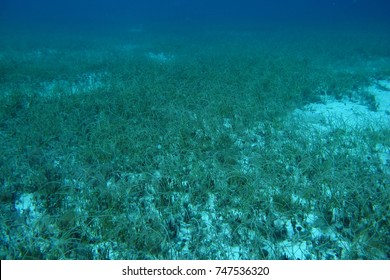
{"x": 201, "y": 144}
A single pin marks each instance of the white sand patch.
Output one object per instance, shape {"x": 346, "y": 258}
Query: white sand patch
{"x": 86, "y": 83}
{"x": 160, "y": 57}
{"x": 295, "y": 251}
{"x": 350, "y": 114}
{"x": 27, "y": 206}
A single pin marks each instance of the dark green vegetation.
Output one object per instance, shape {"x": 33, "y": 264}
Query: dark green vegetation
{"x": 107, "y": 152}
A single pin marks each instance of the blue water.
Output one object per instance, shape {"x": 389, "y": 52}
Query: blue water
{"x": 101, "y": 13}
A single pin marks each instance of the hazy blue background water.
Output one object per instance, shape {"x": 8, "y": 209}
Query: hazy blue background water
{"x": 69, "y": 14}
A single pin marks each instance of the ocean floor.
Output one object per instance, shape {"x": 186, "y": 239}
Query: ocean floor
{"x": 302, "y": 234}
{"x": 189, "y": 150}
